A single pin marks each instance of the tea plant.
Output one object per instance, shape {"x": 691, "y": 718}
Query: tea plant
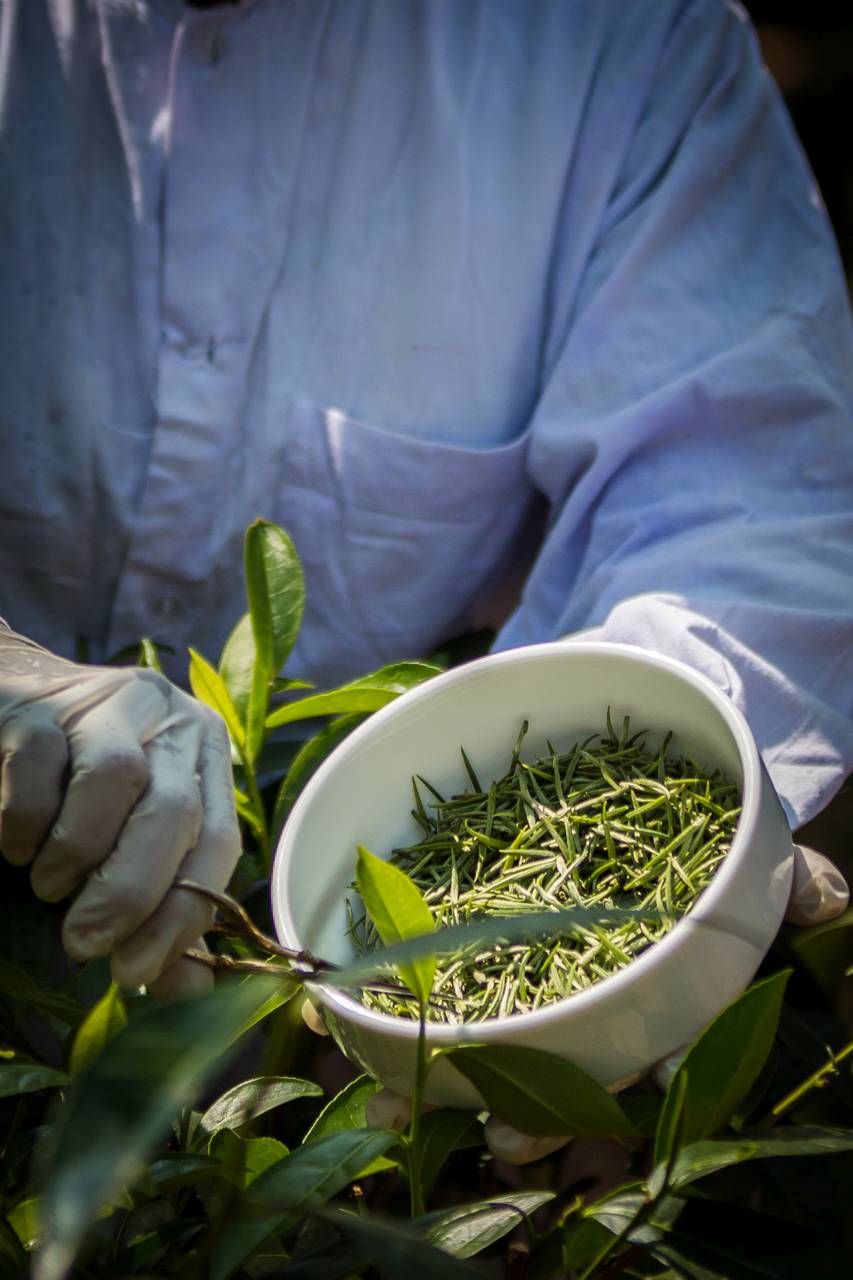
{"x": 131, "y": 1148}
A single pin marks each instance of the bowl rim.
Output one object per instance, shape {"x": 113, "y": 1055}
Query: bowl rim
{"x": 389, "y": 1025}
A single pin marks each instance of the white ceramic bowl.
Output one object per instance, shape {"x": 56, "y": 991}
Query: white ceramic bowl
{"x": 363, "y": 794}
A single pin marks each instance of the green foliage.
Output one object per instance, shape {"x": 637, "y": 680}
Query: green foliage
{"x": 399, "y": 912}
{"x": 126, "y": 1152}
{"x": 722, "y": 1066}
{"x": 101, "y": 1023}
{"x": 541, "y": 1094}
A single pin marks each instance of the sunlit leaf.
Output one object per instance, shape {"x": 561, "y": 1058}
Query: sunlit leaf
{"x": 618, "y": 1210}
{"x": 209, "y": 687}
{"x": 316, "y": 1171}
{"x": 148, "y": 656}
{"x": 236, "y": 664}
{"x": 368, "y": 693}
{"x": 275, "y": 585}
{"x": 14, "y": 1263}
{"x": 398, "y": 910}
{"x": 245, "y": 1159}
{"x": 101, "y": 1023}
{"x": 468, "y": 1229}
{"x": 703, "y": 1158}
{"x": 347, "y": 1110}
{"x": 251, "y": 1098}
{"x": 540, "y": 1093}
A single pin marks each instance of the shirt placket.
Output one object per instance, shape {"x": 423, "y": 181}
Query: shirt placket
{"x": 204, "y": 347}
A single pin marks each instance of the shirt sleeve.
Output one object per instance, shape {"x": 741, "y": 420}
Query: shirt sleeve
{"x": 693, "y": 436}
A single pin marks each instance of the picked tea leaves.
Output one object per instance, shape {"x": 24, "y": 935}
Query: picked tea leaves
{"x": 610, "y": 822}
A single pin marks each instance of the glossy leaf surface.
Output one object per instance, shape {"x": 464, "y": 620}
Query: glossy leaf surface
{"x": 541, "y": 1094}
{"x": 399, "y": 911}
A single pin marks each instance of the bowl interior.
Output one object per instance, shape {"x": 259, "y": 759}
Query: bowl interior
{"x": 363, "y": 792}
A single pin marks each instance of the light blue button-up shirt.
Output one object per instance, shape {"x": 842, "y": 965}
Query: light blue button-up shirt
{"x": 460, "y": 293}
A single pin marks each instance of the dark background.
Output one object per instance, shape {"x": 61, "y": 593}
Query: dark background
{"x": 808, "y": 47}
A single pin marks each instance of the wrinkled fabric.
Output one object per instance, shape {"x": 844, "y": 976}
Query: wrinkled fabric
{"x": 412, "y": 278}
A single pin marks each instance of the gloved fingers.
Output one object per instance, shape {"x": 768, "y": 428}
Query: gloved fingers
{"x": 389, "y": 1110}
{"x": 105, "y": 718}
{"x": 819, "y": 891}
{"x": 186, "y": 977}
{"x": 664, "y": 1071}
{"x": 183, "y": 915}
{"x": 313, "y": 1019}
{"x": 109, "y": 773}
{"x": 128, "y": 886}
{"x": 35, "y": 756}
{"x": 514, "y": 1147}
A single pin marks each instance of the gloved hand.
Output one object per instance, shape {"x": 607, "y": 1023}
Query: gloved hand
{"x": 112, "y": 782}
{"x": 819, "y": 892}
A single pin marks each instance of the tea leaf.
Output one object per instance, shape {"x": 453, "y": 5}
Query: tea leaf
{"x": 27, "y": 1221}
{"x": 286, "y": 987}
{"x": 347, "y": 1111}
{"x": 397, "y": 1251}
{"x": 241, "y": 1236}
{"x": 284, "y": 684}
{"x": 236, "y": 664}
{"x": 148, "y": 655}
{"x": 28, "y": 1077}
{"x": 101, "y": 1023}
{"x": 275, "y": 585}
{"x": 701, "y": 1159}
{"x": 441, "y": 1133}
{"x": 253, "y": 1098}
{"x": 209, "y": 687}
{"x": 625, "y": 1209}
{"x": 541, "y": 1094}
{"x": 245, "y": 1159}
{"x": 19, "y": 986}
{"x": 670, "y": 1126}
{"x": 398, "y": 910}
{"x": 314, "y": 1172}
{"x": 723, "y": 1064}
{"x": 368, "y": 693}
{"x": 467, "y": 1230}
{"x": 14, "y": 1262}
{"x": 175, "y": 1169}
{"x": 127, "y": 1096}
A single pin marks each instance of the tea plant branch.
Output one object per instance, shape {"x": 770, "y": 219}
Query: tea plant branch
{"x": 816, "y": 1080}
{"x": 413, "y": 1142}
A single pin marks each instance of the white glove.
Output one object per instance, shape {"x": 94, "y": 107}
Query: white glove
{"x": 113, "y": 782}
{"x": 818, "y": 893}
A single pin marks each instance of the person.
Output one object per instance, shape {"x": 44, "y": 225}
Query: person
{"x": 516, "y": 313}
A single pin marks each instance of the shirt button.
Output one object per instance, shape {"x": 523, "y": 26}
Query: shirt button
{"x": 168, "y": 608}
{"x": 206, "y": 44}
